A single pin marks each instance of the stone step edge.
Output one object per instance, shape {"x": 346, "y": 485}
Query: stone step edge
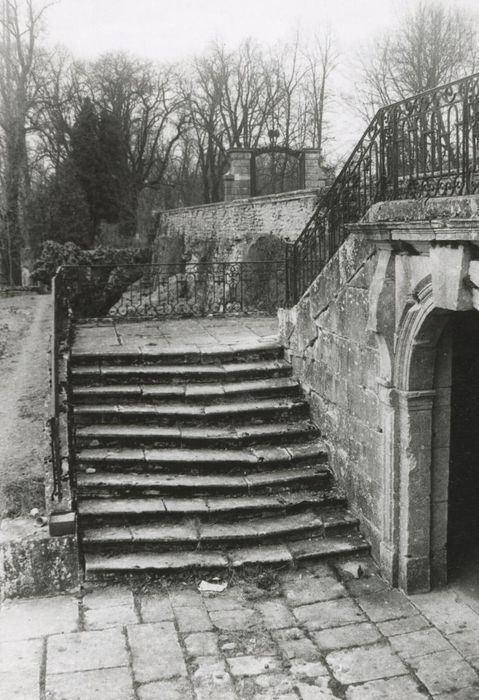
{"x": 280, "y": 554}
{"x": 193, "y": 532}
{"x": 193, "y": 410}
{"x": 181, "y": 370}
{"x": 166, "y": 506}
{"x": 234, "y": 433}
{"x": 247, "y": 457}
{"x": 182, "y": 355}
{"x": 247, "y": 483}
{"x": 189, "y": 393}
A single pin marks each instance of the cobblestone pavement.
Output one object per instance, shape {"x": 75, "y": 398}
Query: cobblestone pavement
{"x": 315, "y": 633}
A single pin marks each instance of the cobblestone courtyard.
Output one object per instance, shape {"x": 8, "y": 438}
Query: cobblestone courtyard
{"x": 313, "y": 633}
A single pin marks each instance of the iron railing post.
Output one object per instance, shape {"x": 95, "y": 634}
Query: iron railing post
{"x": 466, "y": 164}
{"x": 382, "y": 159}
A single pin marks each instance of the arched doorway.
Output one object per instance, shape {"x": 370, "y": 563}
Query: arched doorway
{"x": 436, "y": 376}
{"x": 463, "y": 504}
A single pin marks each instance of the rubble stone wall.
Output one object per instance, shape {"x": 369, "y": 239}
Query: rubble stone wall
{"x": 227, "y": 231}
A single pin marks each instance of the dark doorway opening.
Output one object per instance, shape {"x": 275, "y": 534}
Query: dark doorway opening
{"x": 463, "y": 501}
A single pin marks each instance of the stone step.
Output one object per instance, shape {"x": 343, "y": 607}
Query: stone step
{"x": 157, "y": 484}
{"x": 102, "y": 567}
{"x": 169, "y": 508}
{"x": 242, "y": 435}
{"x": 203, "y": 461}
{"x": 166, "y": 414}
{"x": 192, "y": 533}
{"x": 179, "y": 373}
{"x": 204, "y": 393}
{"x": 150, "y": 353}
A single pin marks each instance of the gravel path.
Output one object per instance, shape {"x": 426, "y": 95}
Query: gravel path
{"x": 24, "y": 392}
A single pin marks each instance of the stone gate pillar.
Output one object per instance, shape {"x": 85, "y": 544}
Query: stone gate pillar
{"x": 238, "y": 179}
{"x": 314, "y": 175}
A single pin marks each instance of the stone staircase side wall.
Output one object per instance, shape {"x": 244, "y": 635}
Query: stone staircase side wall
{"x": 336, "y": 359}
{"x": 223, "y": 231}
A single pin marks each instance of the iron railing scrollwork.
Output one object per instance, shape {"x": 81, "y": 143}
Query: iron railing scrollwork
{"x": 181, "y": 289}
{"x": 424, "y": 146}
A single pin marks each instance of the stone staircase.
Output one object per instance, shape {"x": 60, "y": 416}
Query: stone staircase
{"x": 200, "y": 460}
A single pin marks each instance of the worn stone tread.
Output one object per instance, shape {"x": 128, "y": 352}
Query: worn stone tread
{"x": 314, "y": 453}
{"x": 257, "y": 528}
{"x": 184, "y": 434}
{"x": 203, "y": 482}
{"x": 280, "y": 553}
{"x": 184, "y": 370}
{"x": 320, "y": 547}
{"x": 152, "y": 561}
{"x": 183, "y": 410}
{"x": 189, "y": 532}
{"x": 139, "y": 351}
{"x": 214, "y": 505}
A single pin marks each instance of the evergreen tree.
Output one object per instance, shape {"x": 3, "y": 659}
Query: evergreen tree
{"x": 86, "y": 157}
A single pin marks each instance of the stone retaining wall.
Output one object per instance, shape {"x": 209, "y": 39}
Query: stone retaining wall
{"x": 336, "y": 359}
{"x": 253, "y": 228}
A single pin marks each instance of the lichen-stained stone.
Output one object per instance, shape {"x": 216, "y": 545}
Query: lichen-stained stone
{"x": 275, "y": 614}
{"x": 193, "y": 620}
{"x": 32, "y": 563}
{"x": 156, "y": 607}
{"x": 211, "y": 679}
{"x": 295, "y": 645}
{"x": 366, "y": 663}
{"x": 201, "y": 644}
{"x": 156, "y": 652}
{"x": 355, "y": 250}
{"x": 253, "y": 665}
{"x": 308, "y": 589}
{"x": 403, "y": 625}
{"x": 38, "y": 617}
{"x": 386, "y": 605}
{"x": 306, "y": 331}
{"x": 401, "y": 688}
{"x": 103, "y": 618}
{"x": 445, "y": 612}
{"x": 179, "y": 689}
{"x": 85, "y": 651}
{"x": 325, "y": 287}
{"x": 332, "y": 613}
{"x": 348, "y": 636}
{"x": 414, "y": 644}
{"x": 445, "y": 672}
{"x": 102, "y": 684}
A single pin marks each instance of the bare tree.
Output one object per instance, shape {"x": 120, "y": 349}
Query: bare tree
{"x": 433, "y": 44}
{"x": 20, "y": 65}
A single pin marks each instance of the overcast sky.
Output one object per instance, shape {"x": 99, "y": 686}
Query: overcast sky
{"x": 172, "y": 30}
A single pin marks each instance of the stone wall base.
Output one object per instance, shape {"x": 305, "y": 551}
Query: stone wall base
{"x": 32, "y": 563}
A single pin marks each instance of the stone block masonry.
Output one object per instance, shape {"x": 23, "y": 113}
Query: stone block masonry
{"x": 336, "y": 359}
{"x": 248, "y": 229}
{"x": 371, "y": 342}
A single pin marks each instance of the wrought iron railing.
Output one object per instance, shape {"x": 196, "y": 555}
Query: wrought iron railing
{"x": 424, "y": 146}
{"x": 183, "y": 289}
{"x": 60, "y": 339}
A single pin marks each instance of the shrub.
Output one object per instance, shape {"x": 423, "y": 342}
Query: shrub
{"x": 97, "y": 279}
